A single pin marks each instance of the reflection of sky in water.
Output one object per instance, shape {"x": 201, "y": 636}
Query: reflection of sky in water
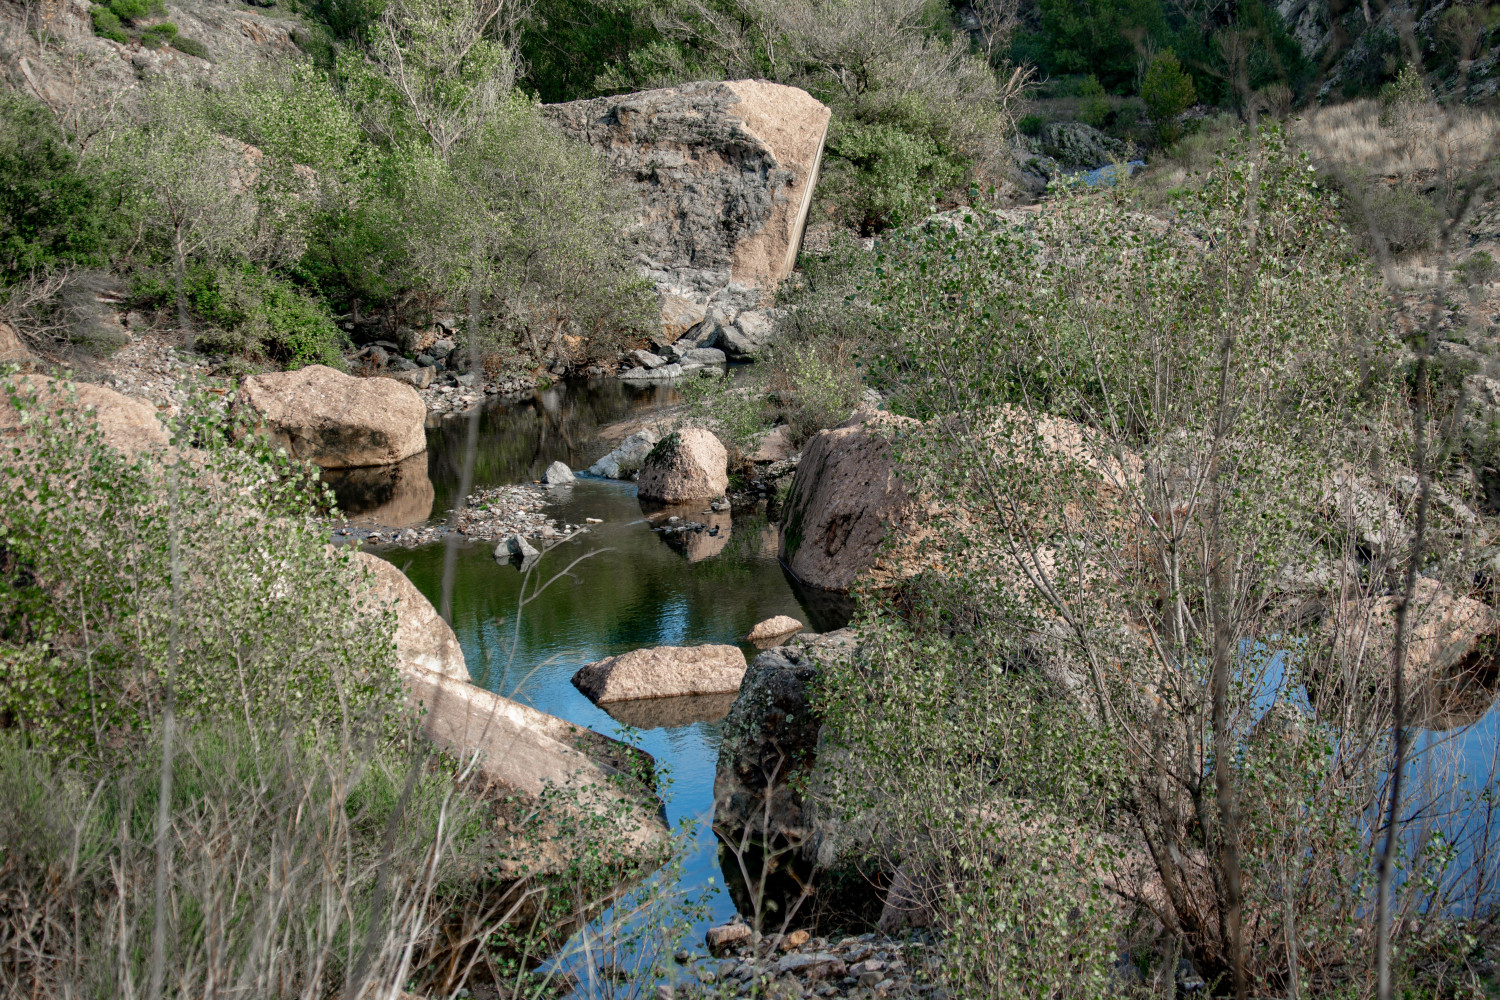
{"x": 1450, "y": 784}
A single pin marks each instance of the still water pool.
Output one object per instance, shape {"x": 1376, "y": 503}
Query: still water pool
{"x": 635, "y": 588}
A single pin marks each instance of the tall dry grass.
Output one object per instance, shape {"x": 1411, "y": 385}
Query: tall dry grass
{"x": 1365, "y": 136}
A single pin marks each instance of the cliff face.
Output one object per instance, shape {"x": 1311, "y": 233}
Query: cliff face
{"x": 1359, "y": 43}
{"x": 48, "y": 50}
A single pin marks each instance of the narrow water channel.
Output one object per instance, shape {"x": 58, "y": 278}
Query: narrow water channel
{"x": 635, "y": 588}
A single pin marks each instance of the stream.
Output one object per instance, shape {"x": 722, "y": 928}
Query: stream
{"x": 637, "y": 589}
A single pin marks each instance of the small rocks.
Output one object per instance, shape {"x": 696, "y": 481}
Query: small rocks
{"x": 862, "y": 967}
{"x": 648, "y": 360}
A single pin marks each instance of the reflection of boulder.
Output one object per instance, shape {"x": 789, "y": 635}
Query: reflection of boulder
{"x": 693, "y": 544}
{"x": 670, "y": 713}
{"x": 393, "y": 496}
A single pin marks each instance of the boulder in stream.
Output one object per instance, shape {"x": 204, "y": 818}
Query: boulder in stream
{"x": 663, "y": 672}
{"x": 557, "y": 474}
{"x": 690, "y": 464}
{"x": 335, "y": 420}
{"x": 773, "y": 628}
{"x": 627, "y": 458}
{"x": 424, "y": 642}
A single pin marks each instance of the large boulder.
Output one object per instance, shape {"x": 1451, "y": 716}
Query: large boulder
{"x": 845, "y": 499}
{"x": 529, "y": 753}
{"x": 335, "y": 420}
{"x": 12, "y": 348}
{"x": 690, "y": 464}
{"x": 723, "y": 175}
{"x": 663, "y": 672}
{"x": 127, "y": 425}
{"x": 424, "y": 642}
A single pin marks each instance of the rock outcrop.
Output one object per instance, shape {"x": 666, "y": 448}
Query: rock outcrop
{"x": 845, "y": 498}
{"x": 627, "y": 458}
{"x": 724, "y": 174}
{"x": 12, "y": 349}
{"x": 424, "y": 642}
{"x": 60, "y": 60}
{"x": 690, "y": 464}
{"x": 127, "y": 425}
{"x": 335, "y": 420}
{"x": 663, "y": 672}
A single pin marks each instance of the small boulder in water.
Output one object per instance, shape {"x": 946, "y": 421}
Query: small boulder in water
{"x": 773, "y": 628}
{"x": 663, "y": 672}
{"x": 557, "y": 473}
{"x": 512, "y": 546}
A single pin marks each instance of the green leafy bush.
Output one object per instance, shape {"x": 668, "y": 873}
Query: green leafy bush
{"x": 1031, "y": 124}
{"x": 55, "y": 209}
{"x": 886, "y": 176}
{"x": 135, "y": 10}
{"x": 166, "y": 30}
{"x": 1168, "y": 91}
{"x": 107, "y": 24}
{"x": 1093, "y": 104}
{"x": 190, "y": 46}
{"x": 250, "y": 312}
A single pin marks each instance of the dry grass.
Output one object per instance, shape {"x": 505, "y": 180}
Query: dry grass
{"x": 1361, "y": 135}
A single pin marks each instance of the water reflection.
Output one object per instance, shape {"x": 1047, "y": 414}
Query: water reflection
{"x": 396, "y": 496}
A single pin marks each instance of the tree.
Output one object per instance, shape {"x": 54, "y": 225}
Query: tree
{"x": 198, "y": 186}
{"x": 1168, "y": 92}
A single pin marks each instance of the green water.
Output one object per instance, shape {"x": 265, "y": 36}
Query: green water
{"x": 633, "y": 587}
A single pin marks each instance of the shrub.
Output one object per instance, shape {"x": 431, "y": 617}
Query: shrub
{"x": 250, "y": 312}
{"x": 190, "y": 46}
{"x": 135, "y": 10}
{"x": 1478, "y": 269}
{"x": 1403, "y": 216}
{"x": 1093, "y": 104}
{"x": 1031, "y": 124}
{"x": 891, "y": 177}
{"x": 1168, "y": 92}
{"x": 107, "y": 24}
{"x": 166, "y": 30}
{"x": 55, "y": 209}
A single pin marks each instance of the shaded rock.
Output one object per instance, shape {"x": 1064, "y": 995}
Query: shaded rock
{"x": 690, "y": 464}
{"x": 557, "y": 473}
{"x": 704, "y": 356}
{"x": 334, "y": 420}
{"x": 846, "y": 497}
{"x": 749, "y": 335}
{"x": 424, "y": 642}
{"x": 724, "y": 937}
{"x": 774, "y": 446}
{"x": 127, "y": 425}
{"x": 1077, "y": 145}
{"x": 394, "y": 496}
{"x": 774, "y": 628}
{"x": 415, "y": 376}
{"x": 648, "y": 360}
{"x": 627, "y": 458}
{"x": 723, "y": 173}
{"x": 670, "y": 713}
{"x": 663, "y": 672}
{"x": 516, "y": 545}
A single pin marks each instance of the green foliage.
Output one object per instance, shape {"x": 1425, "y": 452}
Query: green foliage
{"x": 571, "y": 44}
{"x": 1031, "y": 124}
{"x": 1093, "y": 105}
{"x": 166, "y": 31}
{"x": 885, "y": 175}
{"x": 190, "y": 46}
{"x": 252, "y": 313}
{"x": 135, "y": 10}
{"x": 209, "y": 574}
{"x": 1477, "y": 269}
{"x": 107, "y": 24}
{"x": 346, "y": 20}
{"x": 1092, "y": 36}
{"x": 1168, "y": 91}
{"x": 54, "y": 209}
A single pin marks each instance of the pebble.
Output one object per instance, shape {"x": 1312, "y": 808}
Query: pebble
{"x": 490, "y": 515}
{"x": 861, "y": 967}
